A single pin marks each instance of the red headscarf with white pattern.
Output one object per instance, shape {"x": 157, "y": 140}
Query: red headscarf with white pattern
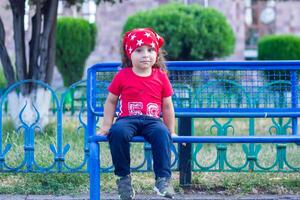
{"x": 139, "y": 37}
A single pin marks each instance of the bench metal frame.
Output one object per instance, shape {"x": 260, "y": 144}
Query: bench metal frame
{"x": 185, "y": 115}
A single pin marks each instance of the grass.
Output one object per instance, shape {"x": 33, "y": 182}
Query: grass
{"x": 247, "y": 183}
{"x": 43, "y": 183}
{"x": 208, "y": 182}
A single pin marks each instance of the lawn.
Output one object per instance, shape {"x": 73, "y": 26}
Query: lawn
{"x": 209, "y": 182}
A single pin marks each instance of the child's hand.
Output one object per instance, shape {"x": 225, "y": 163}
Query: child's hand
{"x": 103, "y": 130}
{"x": 174, "y": 134}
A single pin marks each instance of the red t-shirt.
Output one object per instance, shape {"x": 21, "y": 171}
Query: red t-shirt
{"x": 140, "y": 95}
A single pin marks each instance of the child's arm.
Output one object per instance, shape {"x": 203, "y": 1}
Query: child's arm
{"x": 169, "y": 114}
{"x": 109, "y": 113}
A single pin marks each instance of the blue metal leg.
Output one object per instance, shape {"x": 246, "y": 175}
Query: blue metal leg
{"x": 94, "y": 170}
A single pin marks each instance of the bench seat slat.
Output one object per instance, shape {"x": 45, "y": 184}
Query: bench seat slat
{"x": 216, "y": 139}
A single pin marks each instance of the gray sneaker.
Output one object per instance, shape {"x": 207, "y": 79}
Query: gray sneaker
{"x": 126, "y": 192}
{"x": 163, "y": 187}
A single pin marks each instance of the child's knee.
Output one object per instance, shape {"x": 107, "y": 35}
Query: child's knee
{"x": 161, "y": 135}
{"x": 163, "y": 131}
{"x": 119, "y": 133}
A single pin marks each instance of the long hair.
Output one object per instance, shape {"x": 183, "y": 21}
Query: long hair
{"x": 160, "y": 62}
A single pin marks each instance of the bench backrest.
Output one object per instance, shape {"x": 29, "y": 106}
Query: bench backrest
{"x": 218, "y": 89}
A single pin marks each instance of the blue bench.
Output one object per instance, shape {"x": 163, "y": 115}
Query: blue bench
{"x": 256, "y": 89}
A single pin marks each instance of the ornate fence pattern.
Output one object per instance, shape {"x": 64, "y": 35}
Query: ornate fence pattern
{"x": 204, "y": 90}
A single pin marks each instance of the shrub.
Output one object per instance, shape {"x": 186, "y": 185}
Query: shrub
{"x": 93, "y": 32}
{"x": 279, "y": 47}
{"x": 191, "y": 32}
{"x": 75, "y": 39}
{"x": 3, "y": 81}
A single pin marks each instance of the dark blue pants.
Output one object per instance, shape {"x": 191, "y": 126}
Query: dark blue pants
{"x": 153, "y": 130}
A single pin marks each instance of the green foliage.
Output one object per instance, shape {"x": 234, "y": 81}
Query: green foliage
{"x": 8, "y": 127}
{"x": 3, "y": 81}
{"x": 279, "y": 47}
{"x": 191, "y": 32}
{"x": 50, "y": 128}
{"x": 75, "y": 39}
{"x": 93, "y": 32}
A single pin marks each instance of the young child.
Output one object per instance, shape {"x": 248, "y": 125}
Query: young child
{"x": 144, "y": 91}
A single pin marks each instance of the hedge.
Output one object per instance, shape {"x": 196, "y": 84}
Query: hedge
{"x": 75, "y": 39}
{"x": 279, "y": 47}
{"x": 191, "y": 32}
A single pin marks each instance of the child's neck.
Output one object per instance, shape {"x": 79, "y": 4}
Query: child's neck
{"x": 142, "y": 72}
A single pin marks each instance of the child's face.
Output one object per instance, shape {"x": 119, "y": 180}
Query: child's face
{"x": 143, "y": 57}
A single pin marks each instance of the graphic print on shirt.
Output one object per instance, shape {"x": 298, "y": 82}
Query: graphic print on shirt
{"x": 152, "y": 110}
{"x": 135, "y": 108}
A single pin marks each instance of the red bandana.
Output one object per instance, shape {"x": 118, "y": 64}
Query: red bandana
{"x": 139, "y": 37}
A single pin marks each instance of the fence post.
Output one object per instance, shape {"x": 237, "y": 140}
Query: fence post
{"x": 185, "y": 151}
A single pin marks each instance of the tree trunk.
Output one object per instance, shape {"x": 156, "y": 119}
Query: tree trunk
{"x": 18, "y": 11}
{"x": 41, "y": 57}
{"x": 41, "y": 60}
{"x": 51, "y": 63}
{"x": 47, "y": 42}
{"x": 34, "y": 42}
{"x": 6, "y": 62}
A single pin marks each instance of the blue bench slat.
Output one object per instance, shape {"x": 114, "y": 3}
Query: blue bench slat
{"x": 233, "y": 113}
{"x": 212, "y": 65}
{"x": 216, "y": 139}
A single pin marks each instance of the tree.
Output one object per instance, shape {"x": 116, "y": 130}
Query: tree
{"x": 75, "y": 40}
{"x": 42, "y": 43}
{"x": 41, "y": 46}
{"x": 192, "y": 32}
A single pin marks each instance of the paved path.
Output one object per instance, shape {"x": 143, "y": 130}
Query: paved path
{"x": 153, "y": 197}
